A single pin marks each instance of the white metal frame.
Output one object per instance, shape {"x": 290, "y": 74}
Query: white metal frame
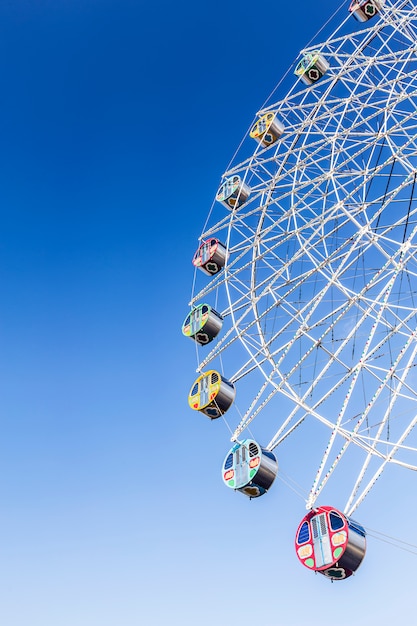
{"x": 321, "y": 277}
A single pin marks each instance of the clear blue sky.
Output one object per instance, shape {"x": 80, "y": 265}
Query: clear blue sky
{"x": 117, "y": 120}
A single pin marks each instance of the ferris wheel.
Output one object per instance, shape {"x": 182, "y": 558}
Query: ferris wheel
{"x": 309, "y": 276}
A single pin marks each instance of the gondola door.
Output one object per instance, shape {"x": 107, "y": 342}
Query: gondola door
{"x": 321, "y": 540}
{"x": 204, "y": 391}
{"x": 206, "y": 252}
{"x": 241, "y": 466}
{"x": 195, "y": 320}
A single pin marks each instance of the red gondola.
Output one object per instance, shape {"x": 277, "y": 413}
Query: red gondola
{"x": 210, "y": 256}
{"x": 330, "y": 543}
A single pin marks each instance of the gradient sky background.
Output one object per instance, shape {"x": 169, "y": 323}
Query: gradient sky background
{"x": 117, "y": 120}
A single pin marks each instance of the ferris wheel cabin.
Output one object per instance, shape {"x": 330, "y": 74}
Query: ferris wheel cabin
{"x": 250, "y": 469}
{"x": 364, "y": 10}
{"x": 330, "y": 543}
{"x": 210, "y": 257}
{"x": 233, "y": 192}
{"x": 267, "y": 130}
{"x": 311, "y": 68}
{"x": 202, "y": 324}
{"x": 211, "y": 394}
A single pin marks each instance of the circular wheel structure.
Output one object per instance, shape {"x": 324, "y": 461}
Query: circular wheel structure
{"x": 318, "y": 292}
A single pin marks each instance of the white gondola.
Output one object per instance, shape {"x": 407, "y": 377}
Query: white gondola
{"x": 250, "y": 469}
{"x": 202, "y": 324}
{"x": 233, "y": 192}
{"x": 364, "y": 10}
{"x": 311, "y": 68}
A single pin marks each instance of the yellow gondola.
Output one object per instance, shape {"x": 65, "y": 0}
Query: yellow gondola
{"x": 211, "y": 394}
{"x": 267, "y": 130}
